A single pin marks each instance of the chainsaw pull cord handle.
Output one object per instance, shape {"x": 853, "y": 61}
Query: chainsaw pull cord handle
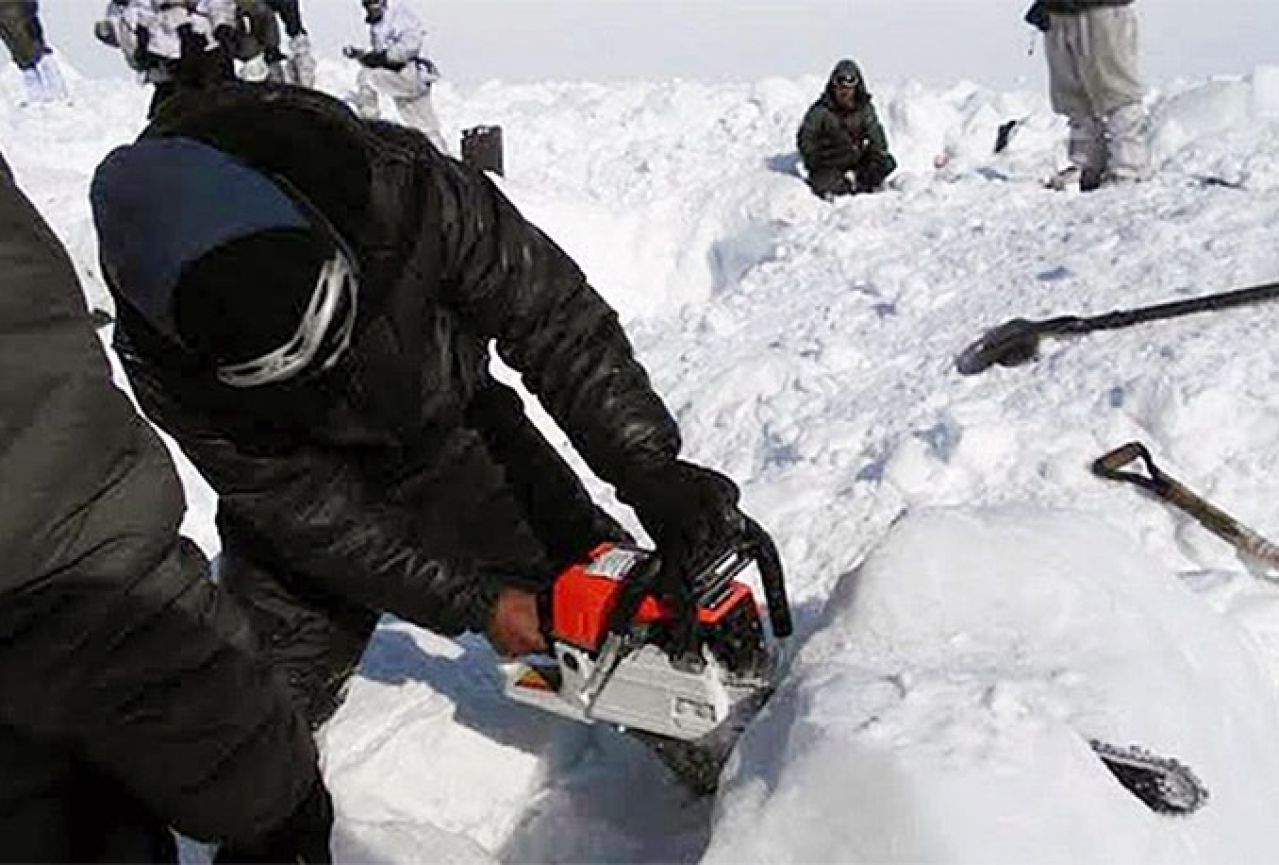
{"x": 1177, "y": 494}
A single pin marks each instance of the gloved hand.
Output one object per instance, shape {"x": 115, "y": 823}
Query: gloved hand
{"x": 224, "y": 35}
{"x": 350, "y": 52}
{"x": 104, "y": 32}
{"x": 141, "y": 55}
{"x": 302, "y": 838}
{"x": 190, "y": 43}
{"x": 692, "y": 516}
{"x": 378, "y": 60}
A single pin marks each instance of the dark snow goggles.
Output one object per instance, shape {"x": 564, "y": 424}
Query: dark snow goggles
{"x": 846, "y": 81}
{"x": 322, "y": 337}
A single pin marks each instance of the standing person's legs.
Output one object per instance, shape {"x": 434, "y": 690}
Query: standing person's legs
{"x": 1113, "y": 80}
{"x": 412, "y": 97}
{"x": 1066, "y": 48}
{"x": 419, "y": 113}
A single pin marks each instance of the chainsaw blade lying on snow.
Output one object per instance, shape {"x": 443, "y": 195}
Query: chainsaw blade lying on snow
{"x": 1164, "y": 784}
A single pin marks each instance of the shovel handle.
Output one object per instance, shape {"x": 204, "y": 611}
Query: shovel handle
{"x": 1214, "y": 519}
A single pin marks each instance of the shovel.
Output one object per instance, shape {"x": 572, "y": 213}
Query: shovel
{"x": 1016, "y": 342}
{"x": 1251, "y": 546}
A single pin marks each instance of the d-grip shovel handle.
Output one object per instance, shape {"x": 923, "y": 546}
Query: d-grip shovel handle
{"x": 1173, "y": 491}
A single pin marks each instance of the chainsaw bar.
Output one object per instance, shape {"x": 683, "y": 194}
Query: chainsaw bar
{"x": 1164, "y": 784}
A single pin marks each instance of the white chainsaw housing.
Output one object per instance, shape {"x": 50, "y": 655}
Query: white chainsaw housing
{"x": 644, "y": 691}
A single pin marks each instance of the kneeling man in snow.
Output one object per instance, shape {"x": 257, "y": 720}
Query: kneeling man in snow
{"x": 841, "y": 135}
{"x": 307, "y": 303}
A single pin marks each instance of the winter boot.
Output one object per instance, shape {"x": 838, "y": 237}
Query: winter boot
{"x": 301, "y": 65}
{"x": 51, "y": 83}
{"x": 276, "y": 73}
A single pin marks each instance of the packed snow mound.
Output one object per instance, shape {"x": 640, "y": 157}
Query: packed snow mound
{"x": 943, "y": 708}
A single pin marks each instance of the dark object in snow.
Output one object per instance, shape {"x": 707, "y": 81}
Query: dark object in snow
{"x": 482, "y": 148}
{"x": 1250, "y": 545}
{"x": 1037, "y": 16}
{"x": 1164, "y": 784}
{"x": 1016, "y": 341}
{"x": 1004, "y": 135}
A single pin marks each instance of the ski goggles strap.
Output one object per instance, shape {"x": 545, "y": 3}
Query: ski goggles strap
{"x": 320, "y": 340}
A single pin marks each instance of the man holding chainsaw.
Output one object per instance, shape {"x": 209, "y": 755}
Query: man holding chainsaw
{"x": 306, "y": 302}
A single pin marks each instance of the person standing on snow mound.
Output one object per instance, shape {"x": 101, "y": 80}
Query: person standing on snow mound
{"x": 396, "y": 66}
{"x": 22, "y": 34}
{"x": 306, "y": 302}
{"x": 1094, "y": 80}
{"x": 131, "y": 699}
{"x": 841, "y": 135}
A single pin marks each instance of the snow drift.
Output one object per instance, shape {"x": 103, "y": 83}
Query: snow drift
{"x": 943, "y": 708}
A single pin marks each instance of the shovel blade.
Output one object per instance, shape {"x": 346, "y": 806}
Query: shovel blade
{"x": 1012, "y": 343}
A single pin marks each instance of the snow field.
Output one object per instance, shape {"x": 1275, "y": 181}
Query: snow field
{"x": 950, "y": 663}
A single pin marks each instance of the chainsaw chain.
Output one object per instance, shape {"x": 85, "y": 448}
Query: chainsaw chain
{"x": 1164, "y": 784}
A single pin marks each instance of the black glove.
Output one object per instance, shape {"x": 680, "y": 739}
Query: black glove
{"x": 191, "y": 44}
{"x": 691, "y": 514}
{"x": 224, "y": 35}
{"x": 378, "y": 60}
{"x": 302, "y": 838}
{"x": 1037, "y": 16}
{"x": 104, "y": 32}
{"x": 141, "y": 56}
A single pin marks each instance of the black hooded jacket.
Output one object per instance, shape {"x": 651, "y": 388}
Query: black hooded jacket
{"x": 115, "y": 650}
{"x": 833, "y": 138}
{"x": 320, "y": 477}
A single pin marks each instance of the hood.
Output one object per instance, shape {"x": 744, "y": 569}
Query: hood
{"x": 160, "y": 205}
{"x": 842, "y": 69}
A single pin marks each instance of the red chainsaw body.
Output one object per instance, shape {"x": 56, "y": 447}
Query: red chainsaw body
{"x": 585, "y": 594}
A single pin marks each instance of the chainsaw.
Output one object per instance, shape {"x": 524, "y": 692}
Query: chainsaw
{"x": 687, "y": 705}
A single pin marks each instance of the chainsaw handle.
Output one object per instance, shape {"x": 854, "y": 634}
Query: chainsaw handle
{"x": 771, "y": 577}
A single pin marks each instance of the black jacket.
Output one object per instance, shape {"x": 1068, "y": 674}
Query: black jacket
{"x": 832, "y": 138}
{"x": 320, "y": 478}
{"x": 113, "y": 645}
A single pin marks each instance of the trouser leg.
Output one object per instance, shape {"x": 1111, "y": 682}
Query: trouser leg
{"x": 54, "y": 808}
{"x": 1087, "y": 145}
{"x": 312, "y": 640}
{"x": 419, "y": 113}
{"x": 873, "y": 170}
{"x": 366, "y": 95}
{"x": 1115, "y": 88}
{"x": 1068, "y": 51}
{"x": 828, "y": 184}
{"x": 21, "y": 33}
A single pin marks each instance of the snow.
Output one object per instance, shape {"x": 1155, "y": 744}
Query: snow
{"x": 972, "y": 604}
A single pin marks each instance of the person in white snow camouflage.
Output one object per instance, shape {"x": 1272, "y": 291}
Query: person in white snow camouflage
{"x": 396, "y": 66}
{"x": 131, "y": 698}
{"x": 173, "y": 44}
{"x": 1094, "y": 80}
{"x": 22, "y": 34}
{"x": 310, "y": 304}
